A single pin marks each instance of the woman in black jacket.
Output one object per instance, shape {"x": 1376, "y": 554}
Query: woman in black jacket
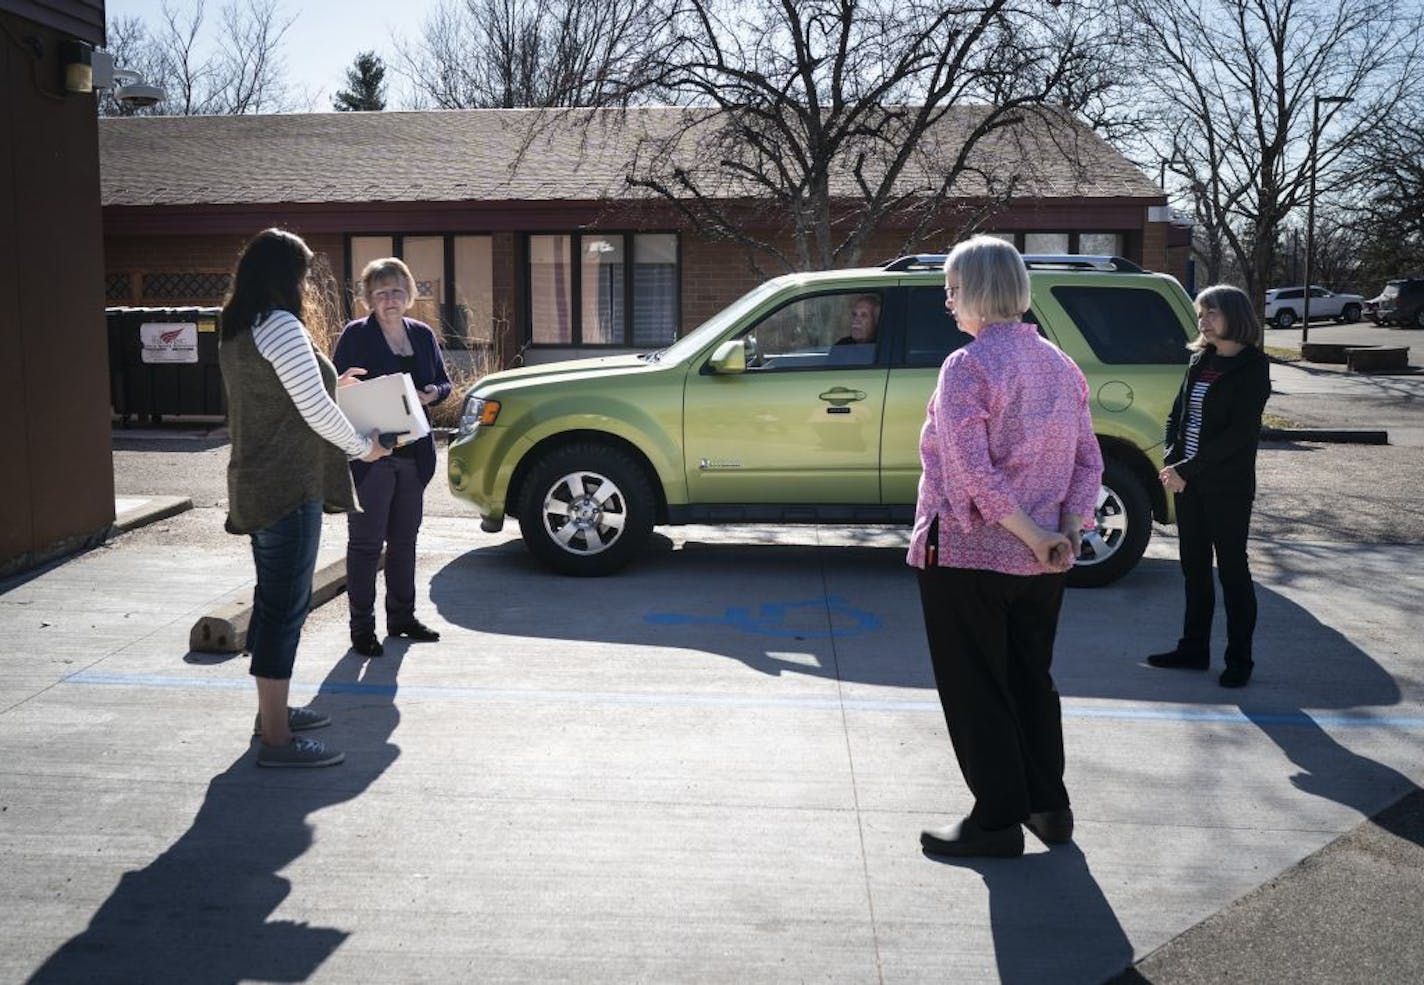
{"x": 1211, "y": 439}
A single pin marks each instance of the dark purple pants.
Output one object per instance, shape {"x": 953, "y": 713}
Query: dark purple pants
{"x": 391, "y": 497}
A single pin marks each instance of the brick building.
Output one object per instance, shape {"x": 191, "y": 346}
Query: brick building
{"x": 518, "y": 224}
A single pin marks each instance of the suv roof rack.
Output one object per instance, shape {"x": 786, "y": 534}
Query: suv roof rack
{"x": 935, "y": 261}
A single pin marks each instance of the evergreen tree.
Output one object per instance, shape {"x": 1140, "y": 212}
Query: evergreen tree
{"x": 365, "y": 85}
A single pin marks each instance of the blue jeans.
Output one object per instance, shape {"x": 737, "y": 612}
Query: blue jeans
{"x": 285, "y": 555}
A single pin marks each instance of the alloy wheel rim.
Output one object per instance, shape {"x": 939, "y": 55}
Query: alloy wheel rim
{"x": 1109, "y": 529}
{"x": 584, "y": 513}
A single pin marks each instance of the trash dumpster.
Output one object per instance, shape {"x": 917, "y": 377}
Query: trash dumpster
{"x": 164, "y": 362}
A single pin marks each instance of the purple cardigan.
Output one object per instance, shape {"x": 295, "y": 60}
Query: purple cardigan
{"x": 362, "y": 344}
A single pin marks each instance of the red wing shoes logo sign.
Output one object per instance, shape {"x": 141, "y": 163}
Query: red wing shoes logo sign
{"x": 169, "y": 342}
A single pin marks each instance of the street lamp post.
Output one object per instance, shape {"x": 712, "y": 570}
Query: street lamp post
{"x": 1310, "y": 209}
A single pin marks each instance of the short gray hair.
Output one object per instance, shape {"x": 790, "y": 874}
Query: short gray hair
{"x": 388, "y": 268}
{"x": 993, "y": 281}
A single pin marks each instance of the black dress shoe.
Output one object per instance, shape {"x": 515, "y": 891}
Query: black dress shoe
{"x": 366, "y": 644}
{"x": 1177, "y": 660}
{"x": 1052, "y": 827}
{"x": 967, "y": 840}
{"x": 415, "y": 631}
{"x": 1235, "y": 675}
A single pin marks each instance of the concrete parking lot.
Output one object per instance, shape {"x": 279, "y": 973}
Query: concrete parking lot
{"x": 712, "y": 768}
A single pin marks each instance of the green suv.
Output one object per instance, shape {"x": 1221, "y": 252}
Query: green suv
{"x": 779, "y": 409}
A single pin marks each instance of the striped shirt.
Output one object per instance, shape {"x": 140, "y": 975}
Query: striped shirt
{"x": 285, "y": 343}
{"x": 1210, "y": 374}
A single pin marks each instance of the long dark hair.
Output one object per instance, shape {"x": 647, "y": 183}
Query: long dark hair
{"x": 269, "y": 277}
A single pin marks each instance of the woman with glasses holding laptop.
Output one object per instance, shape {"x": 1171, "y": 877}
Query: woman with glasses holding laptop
{"x": 392, "y": 490}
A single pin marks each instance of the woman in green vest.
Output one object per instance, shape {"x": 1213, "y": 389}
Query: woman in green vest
{"x": 290, "y": 445}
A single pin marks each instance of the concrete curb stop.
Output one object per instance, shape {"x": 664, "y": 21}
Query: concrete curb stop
{"x": 150, "y": 510}
{"x": 224, "y": 630}
{"x": 1344, "y": 436}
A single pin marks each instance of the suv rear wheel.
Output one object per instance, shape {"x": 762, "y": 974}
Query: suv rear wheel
{"x": 1285, "y": 318}
{"x": 586, "y": 509}
{"x": 1123, "y": 519}
{"x": 1351, "y": 314}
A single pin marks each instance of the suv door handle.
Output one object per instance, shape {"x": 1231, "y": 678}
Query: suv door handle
{"x": 840, "y": 396}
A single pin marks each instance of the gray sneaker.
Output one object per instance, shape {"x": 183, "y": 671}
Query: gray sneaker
{"x": 298, "y": 720}
{"x": 300, "y": 751}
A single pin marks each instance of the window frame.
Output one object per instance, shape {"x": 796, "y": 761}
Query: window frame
{"x": 447, "y": 332}
{"x": 575, "y": 267}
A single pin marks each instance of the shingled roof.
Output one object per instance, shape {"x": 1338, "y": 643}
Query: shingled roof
{"x": 500, "y": 156}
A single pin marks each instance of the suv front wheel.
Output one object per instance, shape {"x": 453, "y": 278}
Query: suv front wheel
{"x": 1123, "y": 524}
{"x": 1285, "y": 318}
{"x": 586, "y": 509}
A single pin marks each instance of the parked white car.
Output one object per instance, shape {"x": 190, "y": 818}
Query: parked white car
{"x": 1286, "y": 305}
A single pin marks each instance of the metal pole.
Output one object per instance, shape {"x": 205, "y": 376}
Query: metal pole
{"x": 1310, "y": 221}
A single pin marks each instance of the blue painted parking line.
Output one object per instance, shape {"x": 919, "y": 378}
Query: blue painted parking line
{"x": 778, "y": 619}
{"x": 1071, "y": 710}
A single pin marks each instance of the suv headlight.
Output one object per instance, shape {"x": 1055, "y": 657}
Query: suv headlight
{"x": 478, "y": 411}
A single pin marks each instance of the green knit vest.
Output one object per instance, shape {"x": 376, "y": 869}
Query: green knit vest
{"x": 278, "y": 462}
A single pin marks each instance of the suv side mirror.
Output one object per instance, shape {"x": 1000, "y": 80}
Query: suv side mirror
{"x": 729, "y": 358}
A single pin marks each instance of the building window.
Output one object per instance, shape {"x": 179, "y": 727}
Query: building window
{"x": 655, "y": 288}
{"x": 1100, "y": 244}
{"x": 550, "y": 291}
{"x": 454, "y": 282}
{"x": 1048, "y": 244}
{"x": 474, "y": 290}
{"x": 425, "y": 256}
{"x": 610, "y": 302}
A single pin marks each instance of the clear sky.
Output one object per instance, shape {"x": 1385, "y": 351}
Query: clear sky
{"x": 322, "y": 42}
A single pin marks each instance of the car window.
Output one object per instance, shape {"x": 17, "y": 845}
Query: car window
{"x": 834, "y": 329}
{"x": 931, "y": 333}
{"x": 1124, "y": 325}
{"x": 1290, "y": 295}
{"x": 1319, "y": 292}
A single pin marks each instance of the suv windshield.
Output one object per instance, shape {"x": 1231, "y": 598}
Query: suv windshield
{"x": 713, "y": 326}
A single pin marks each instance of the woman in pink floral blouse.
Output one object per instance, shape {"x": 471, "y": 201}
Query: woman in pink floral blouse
{"x": 1011, "y": 474}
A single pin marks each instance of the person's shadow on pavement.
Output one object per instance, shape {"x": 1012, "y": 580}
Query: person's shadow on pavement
{"x": 200, "y": 913}
{"x": 1050, "y": 919}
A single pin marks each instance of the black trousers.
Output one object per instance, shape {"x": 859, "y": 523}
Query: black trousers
{"x": 1209, "y": 524}
{"x": 991, "y": 644}
{"x": 392, "y": 503}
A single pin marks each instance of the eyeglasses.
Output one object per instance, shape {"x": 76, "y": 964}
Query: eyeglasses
{"x": 389, "y": 294}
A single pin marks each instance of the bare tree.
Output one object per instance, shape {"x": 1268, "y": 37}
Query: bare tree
{"x": 1386, "y": 197}
{"x": 849, "y": 116}
{"x": 533, "y": 53}
{"x": 1233, "y": 84}
{"x": 239, "y": 71}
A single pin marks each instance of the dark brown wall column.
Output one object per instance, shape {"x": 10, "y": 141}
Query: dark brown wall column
{"x": 54, "y": 381}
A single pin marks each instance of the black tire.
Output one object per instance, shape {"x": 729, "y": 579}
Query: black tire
{"x": 586, "y": 509}
{"x": 1350, "y": 314}
{"x": 1124, "y": 525}
{"x": 1285, "y": 318}
{"x": 1419, "y": 317}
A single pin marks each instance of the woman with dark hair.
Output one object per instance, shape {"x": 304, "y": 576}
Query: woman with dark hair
{"x": 1211, "y": 439}
{"x": 289, "y": 448}
{"x": 392, "y": 492}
